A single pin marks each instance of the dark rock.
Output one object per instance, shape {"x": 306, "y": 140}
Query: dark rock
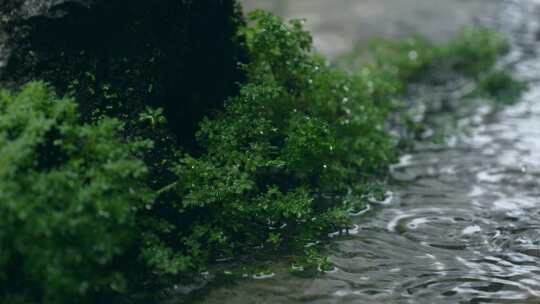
{"x": 118, "y": 57}
{"x": 26, "y": 9}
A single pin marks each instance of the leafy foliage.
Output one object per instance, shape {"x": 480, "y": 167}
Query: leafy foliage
{"x": 474, "y": 51}
{"x": 471, "y": 53}
{"x": 300, "y": 135}
{"x": 500, "y": 86}
{"x": 470, "y": 57}
{"x": 405, "y": 60}
{"x": 297, "y": 132}
{"x": 286, "y": 160}
{"x": 68, "y": 197}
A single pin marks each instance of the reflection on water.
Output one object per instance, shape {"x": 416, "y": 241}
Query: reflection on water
{"x": 339, "y": 25}
{"x": 462, "y": 227}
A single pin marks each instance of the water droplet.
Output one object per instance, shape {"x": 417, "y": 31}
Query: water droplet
{"x": 366, "y": 72}
{"x": 413, "y": 55}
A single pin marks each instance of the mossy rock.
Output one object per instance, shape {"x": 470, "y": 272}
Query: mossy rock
{"x": 118, "y": 57}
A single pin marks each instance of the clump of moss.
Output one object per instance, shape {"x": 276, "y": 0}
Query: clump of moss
{"x": 69, "y": 194}
{"x": 499, "y": 86}
{"x": 299, "y": 131}
{"x": 406, "y": 60}
{"x": 471, "y": 53}
{"x": 469, "y": 58}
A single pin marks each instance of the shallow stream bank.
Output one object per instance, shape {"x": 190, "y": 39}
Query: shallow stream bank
{"x": 462, "y": 222}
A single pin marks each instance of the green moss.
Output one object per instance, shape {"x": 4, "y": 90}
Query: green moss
{"x": 406, "y": 60}
{"x": 471, "y": 53}
{"x": 285, "y": 161}
{"x": 298, "y": 131}
{"x": 499, "y": 86}
{"x": 69, "y": 193}
{"x": 469, "y": 57}
{"x": 474, "y": 51}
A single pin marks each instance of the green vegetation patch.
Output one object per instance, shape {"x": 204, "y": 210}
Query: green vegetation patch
{"x": 467, "y": 64}
{"x": 92, "y": 209}
{"x": 69, "y": 193}
{"x": 297, "y": 133}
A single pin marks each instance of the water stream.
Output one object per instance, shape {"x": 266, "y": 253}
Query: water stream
{"x": 462, "y": 224}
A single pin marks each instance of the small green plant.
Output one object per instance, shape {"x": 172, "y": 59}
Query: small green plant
{"x": 69, "y": 193}
{"x": 406, "y": 60}
{"x": 311, "y": 263}
{"x": 473, "y": 52}
{"x": 470, "y": 57}
{"x": 297, "y": 132}
{"x": 500, "y": 86}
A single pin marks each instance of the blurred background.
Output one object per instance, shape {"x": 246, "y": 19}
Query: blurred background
{"x": 340, "y": 25}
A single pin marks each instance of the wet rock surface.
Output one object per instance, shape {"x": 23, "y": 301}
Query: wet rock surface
{"x": 15, "y": 13}
{"x": 26, "y": 9}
